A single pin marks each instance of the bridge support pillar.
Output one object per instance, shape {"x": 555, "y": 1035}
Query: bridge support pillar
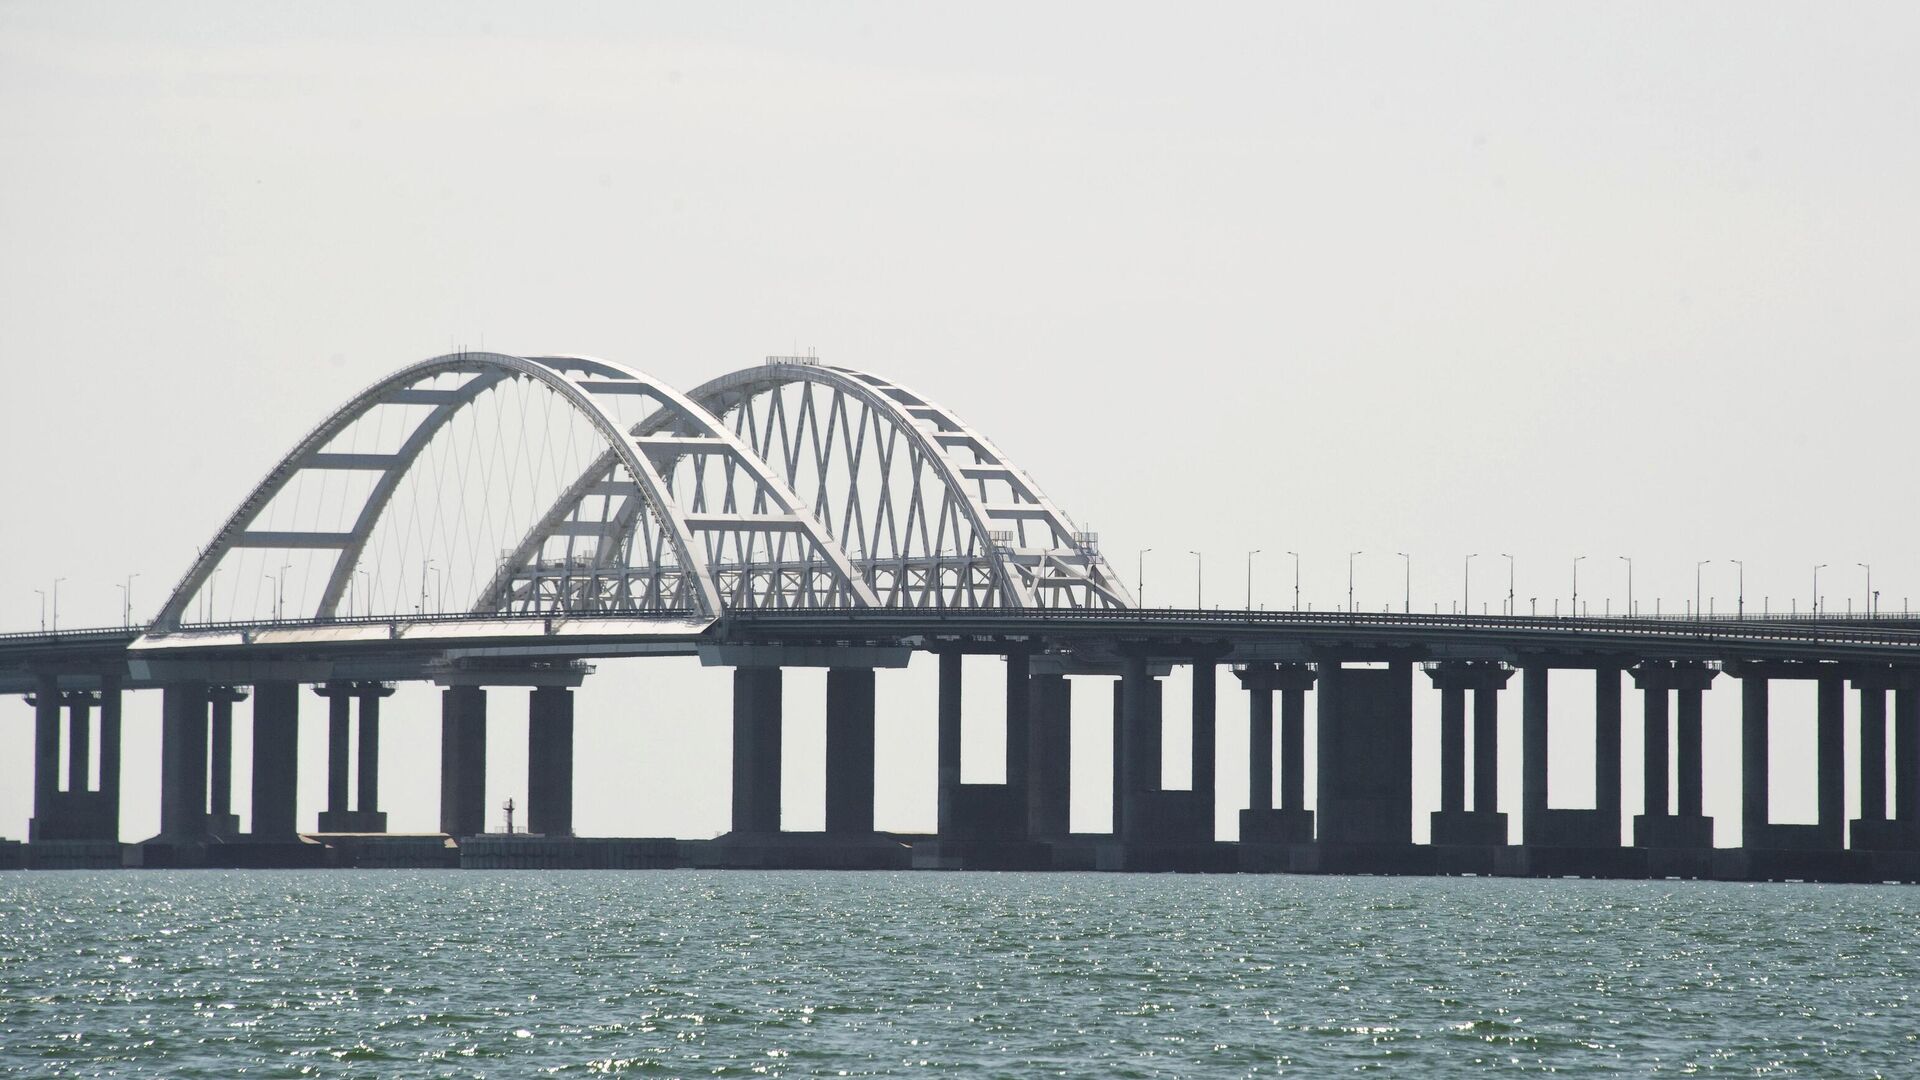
{"x": 1876, "y": 829}
{"x": 1759, "y": 832}
{"x": 463, "y": 760}
{"x": 365, "y": 815}
{"x": 1366, "y": 754}
{"x": 947, "y": 743}
{"x": 1453, "y": 823}
{"x": 1659, "y": 825}
{"x": 850, "y": 754}
{"x": 82, "y": 811}
{"x": 1290, "y": 822}
{"x": 221, "y": 820}
{"x": 1050, "y": 756}
{"x": 1206, "y": 798}
{"x": 756, "y": 749}
{"x": 1906, "y": 762}
{"x": 276, "y": 745}
{"x": 183, "y": 761}
{"x": 1137, "y": 745}
{"x": 550, "y": 761}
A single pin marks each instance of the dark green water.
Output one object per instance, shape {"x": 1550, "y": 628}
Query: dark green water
{"x": 463, "y": 973}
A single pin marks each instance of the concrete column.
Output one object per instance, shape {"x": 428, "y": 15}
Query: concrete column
{"x": 850, "y": 756}
{"x": 756, "y": 749}
{"x": 1205, "y": 785}
{"x": 463, "y": 761}
{"x": 1691, "y": 759}
{"x": 1453, "y": 747}
{"x": 1533, "y": 743}
{"x": 1606, "y": 743}
{"x": 1754, "y": 812}
{"x": 1906, "y": 761}
{"x": 1873, "y": 753}
{"x": 1050, "y": 756}
{"x": 1260, "y": 746}
{"x": 339, "y": 738}
{"x": 276, "y": 742}
{"x": 1831, "y": 734}
{"x": 368, "y": 801}
{"x": 1019, "y": 724}
{"x": 1293, "y": 743}
{"x": 1486, "y": 749}
{"x": 550, "y": 761}
{"x": 79, "y": 740}
{"x": 183, "y": 761}
{"x": 1140, "y": 747}
{"x": 221, "y": 820}
{"x": 110, "y": 757}
{"x": 947, "y": 742}
{"x": 1653, "y": 755}
{"x": 46, "y": 757}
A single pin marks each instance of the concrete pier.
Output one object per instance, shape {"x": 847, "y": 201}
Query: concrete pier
{"x": 343, "y": 733}
{"x": 183, "y": 762}
{"x": 1049, "y": 756}
{"x": 1660, "y": 824}
{"x": 550, "y": 761}
{"x": 463, "y": 760}
{"x": 1366, "y": 754}
{"x": 850, "y": 750}
{"x": 756, "y": 749}
{"x": 221, "y": 820}
{"x": 1262, "y": 821}
{"x": 276, "y": 753}
{"x": 81, "y": 811}
{"x": 1454, "y": 823}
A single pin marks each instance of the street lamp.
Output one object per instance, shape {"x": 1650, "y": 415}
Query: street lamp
{"x": 1510, "y": 604}
{"x": 1815, "y": 608}
{"x": 1140, "y": 577}
{"x": 126, "y": 601}
{"x": 1406, "y": 604}
{"x": 280, "y": 591}
{"x": 1250, "y": 556}
{"x": 1698, "y": 611}
{"x": 1740, "y": 603}
{"x": 43, "y": 609}
{"x": 425, "y": 565}
{"x": 1629, "y": 561}
{"x": 1296, "y": 579}
{"x": 1869, "y": 569}
{"x": 1576, "y": 585}
{"x": 1350, "y": 556}
{"x": 1198, "y": 563}
{"x": 1466, "y": 579}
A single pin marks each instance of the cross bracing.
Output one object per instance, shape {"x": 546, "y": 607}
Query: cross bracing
{"x": 493, "y": 483}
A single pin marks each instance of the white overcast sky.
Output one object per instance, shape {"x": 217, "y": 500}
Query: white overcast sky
{"x": 1532, "y": 278}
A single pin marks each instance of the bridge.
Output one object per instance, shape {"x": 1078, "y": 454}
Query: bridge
{"x": 481, "y": 520}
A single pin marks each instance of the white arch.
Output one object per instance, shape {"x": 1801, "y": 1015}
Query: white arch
{"x": 578, "y": 380}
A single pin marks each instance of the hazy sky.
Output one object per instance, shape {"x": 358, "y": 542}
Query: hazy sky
{"x": 1540, "y": 279}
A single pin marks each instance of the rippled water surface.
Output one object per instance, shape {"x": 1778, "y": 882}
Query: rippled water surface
{"x": 466, "y": 973}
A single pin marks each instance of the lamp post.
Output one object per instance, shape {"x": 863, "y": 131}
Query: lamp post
{"x": 1350, "y": 556}
{"x": 126, "y": 601}
{"x": 1406, "y": 603}
{"x": 1511, "y": 606}
{"x": 1466, "y": 580}
{"x": 1869, "y": 569}
{"x": 1198, "y": 562}
{"x": 280, "y": 591}
{"x": 1698, "y": 611}
{"x": 1250, "y": 556}
{"x": 1740, "y": 593}
{"x": 1140, "y": 577}
{"x": 1815, "y": 606}
{"x": 1576, "y": 585}
{"x": 1296, "y": 579}
{"x": 1629, "y": 561}
{"x": 43, "y": 609}
{"x": 425, "y": 565}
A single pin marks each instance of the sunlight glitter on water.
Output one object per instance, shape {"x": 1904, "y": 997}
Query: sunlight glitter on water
{"x": 399, "y": 973}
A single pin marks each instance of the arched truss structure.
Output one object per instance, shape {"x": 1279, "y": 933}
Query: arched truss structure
{"x": 692, "y": 496}
{"x": 927, "y": 510}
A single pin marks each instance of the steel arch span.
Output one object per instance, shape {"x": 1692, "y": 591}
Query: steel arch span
{"x": 692, "y": 498}
{"x": 927, "y": 510}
